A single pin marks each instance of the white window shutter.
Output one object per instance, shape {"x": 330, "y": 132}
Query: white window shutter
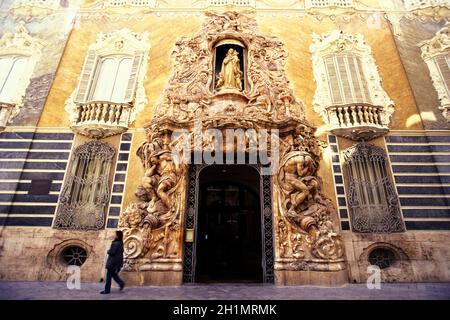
{"x": 86, "y": 77}
{"x": 444, "y": 69}
{"x": 131, "y": 88}
{"x": 333, "y": 80}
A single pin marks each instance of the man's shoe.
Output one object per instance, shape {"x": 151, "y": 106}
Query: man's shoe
{"x": 122, "y": 286}
{"x": 104, "y": 292}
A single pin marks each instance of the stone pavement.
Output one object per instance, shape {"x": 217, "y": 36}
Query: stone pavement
{"x": 89, "y": 291}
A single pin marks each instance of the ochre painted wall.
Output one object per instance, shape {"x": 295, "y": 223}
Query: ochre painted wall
{"x": 294, "y": 31}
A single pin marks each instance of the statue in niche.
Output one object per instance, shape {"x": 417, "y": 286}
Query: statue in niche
{"x": 230, "y": 76}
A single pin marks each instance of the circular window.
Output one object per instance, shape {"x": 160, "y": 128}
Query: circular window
{"x": 74, "y": 255}
{"x": 382, "y": 257}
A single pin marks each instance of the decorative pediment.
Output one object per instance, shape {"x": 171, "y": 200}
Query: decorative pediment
{"x": 437, "y": 45}
{"x": 337, "y": 41}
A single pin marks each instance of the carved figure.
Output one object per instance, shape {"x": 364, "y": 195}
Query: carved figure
{"x": 230, "y": 76}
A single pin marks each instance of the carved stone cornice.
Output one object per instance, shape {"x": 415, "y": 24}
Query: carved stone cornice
{"x": 428, "y": 8}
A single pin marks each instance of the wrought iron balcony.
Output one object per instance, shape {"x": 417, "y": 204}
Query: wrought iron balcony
{"x": 357, "y": 121}
{"x": 99, "y": 119}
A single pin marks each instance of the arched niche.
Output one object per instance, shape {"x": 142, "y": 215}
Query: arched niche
{"x": 221, "y": 49}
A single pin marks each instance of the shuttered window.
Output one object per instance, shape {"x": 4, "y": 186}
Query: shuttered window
{"x": 110, "y": 78}
{"x": 443, "y": 64}
{"x": 11, "y": 75}
{"x": 346, "y": 80}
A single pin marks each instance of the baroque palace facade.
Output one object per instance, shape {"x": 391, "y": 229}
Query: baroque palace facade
{"x": 350, "y": 100}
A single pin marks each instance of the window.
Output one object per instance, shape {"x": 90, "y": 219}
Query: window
{"x": 11, "y": 74}
{"x": 346, "y": 80}
{"x": 436, "y": 54}
{"x": 371, "y": 195}
{"x": 19, "y": 53}
{"x": 382, "y": 257}
{"x": 85, "y": 194}
{"x": 112, "y": 79}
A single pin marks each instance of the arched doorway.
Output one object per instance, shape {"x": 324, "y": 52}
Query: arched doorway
{"x": 229, "y": 225}
{"x": 229, "y": 242}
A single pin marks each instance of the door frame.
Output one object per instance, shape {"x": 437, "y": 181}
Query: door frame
{"x": 191, "y": 220}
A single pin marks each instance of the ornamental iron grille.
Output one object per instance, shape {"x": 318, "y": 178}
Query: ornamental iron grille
{"x": 372, "y": 199}
{"x": 266, "y": 224}
{"x": 85, "y": 195}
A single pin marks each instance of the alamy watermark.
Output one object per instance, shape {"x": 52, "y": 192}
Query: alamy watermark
{"x": 374, "y": 277}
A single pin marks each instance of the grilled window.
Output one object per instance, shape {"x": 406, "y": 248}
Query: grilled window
{"x": 85, "y": 194}
{"x": 371, "y": 197}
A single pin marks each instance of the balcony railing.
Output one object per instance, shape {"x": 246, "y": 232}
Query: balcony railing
{"x": 357, "y": 121}
{"x": 309, "y": 4}
{"x": 100, "y": 119}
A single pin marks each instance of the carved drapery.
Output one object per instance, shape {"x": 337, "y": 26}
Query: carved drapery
{"x": 436, "y": 54}
{"x": 85, "y": 194}
{"x": 153, "y": 226}
{"x": 371, "y": 197}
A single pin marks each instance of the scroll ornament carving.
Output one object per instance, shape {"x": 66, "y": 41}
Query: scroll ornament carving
{"x": 21, "y": 43}
{"x": 306, "y": 235}
{"x": 439, "y": 45}
{"x": 190, "y": 94}
{"x": 152, "y": 225}
{"x": 34, "y": 9}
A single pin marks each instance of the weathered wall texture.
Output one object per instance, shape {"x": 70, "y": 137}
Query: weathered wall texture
{"x": 29, "y": 251}
{"x": 411, "y": 33}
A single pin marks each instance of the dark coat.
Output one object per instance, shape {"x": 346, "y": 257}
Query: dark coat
{"x": 115, "y": 255}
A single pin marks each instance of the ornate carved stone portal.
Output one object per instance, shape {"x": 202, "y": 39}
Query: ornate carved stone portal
{"x": 305, "y": 236}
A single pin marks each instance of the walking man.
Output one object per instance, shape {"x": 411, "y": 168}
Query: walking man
{"x": 114, "y": 263}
